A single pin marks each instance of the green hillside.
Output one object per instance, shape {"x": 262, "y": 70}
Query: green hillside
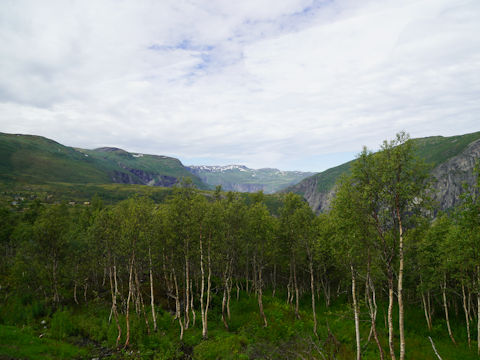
{"x": 27, "y": 159}
{"x": 434, "y": 150}
{"x": 35, "y": 159}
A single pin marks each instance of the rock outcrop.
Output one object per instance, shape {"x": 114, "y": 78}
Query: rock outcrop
{"x": 452, "y": 174}
{"x": 449, "y": 179}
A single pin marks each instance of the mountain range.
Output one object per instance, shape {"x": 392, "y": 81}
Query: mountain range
{"x": 28, "y": 159}
{"x": 243, "y": 179}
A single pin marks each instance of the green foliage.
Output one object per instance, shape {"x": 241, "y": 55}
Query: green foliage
{"x": 61, "y": 326}
{"x": 18, "y": 343}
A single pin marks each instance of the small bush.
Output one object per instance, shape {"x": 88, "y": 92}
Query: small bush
{"x": 62, "y": 325}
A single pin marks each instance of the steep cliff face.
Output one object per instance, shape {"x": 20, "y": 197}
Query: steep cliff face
{"x": 452, "y": 174}
{"x": 140, "y": 177}
{"x": 454, "y": 166}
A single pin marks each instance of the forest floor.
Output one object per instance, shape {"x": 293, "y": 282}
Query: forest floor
{"x": 83, "y": 332}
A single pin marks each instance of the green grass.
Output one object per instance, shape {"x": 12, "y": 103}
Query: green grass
{"x": 284, "y": 338}
{"x": 25, "y": 344}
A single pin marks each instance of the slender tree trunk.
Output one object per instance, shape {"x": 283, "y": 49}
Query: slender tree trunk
{"x": 209, "y": 286}
{"x": 56, "y": 298}
{"x": 478, "y": 311}
{"x": 75, "y": 292}
{"x": 355, "y": 312}
{"x": 140, "y": 300}
{"x": 467, "y": 320}
{"x": 255, "y": 272}
{"x": 289, "y": 285}
{"x": 178, "y": 314}
{"x": 260, "y": 300}
{"x": 372, "y": 305}
{"x": 127, "y": 315}
{"x": 224, "y": 300}
{"x": 192, "y": 308}
{"x": 274, "y": 282}
{"x": 445, "y": 307}
{"x": 430, "y": 310}
{"x": 373, "y": 301}
{"x": 229, "y": 291}
{"x": 152, "y": 298}
{"x": 390, "y": 315}
{"x": 312, "y": 289}
{"x": 202, "y": 289}
{"x": 297, "y": 296}
{"x": 187, "y": 291}
{"x": 114, "y": 301}
{"x": 427, "y": 317}
{"x": 246, "y": 274}
{"x": 85, "y": 288}
{"x": 401, "y": 320}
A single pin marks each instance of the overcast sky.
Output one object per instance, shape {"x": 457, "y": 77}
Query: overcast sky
{"x": 292, "y": 84}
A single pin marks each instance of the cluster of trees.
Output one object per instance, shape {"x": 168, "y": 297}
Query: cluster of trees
{"x": 194, "y": 252}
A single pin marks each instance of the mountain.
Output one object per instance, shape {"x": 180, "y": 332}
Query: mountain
{"x": 29, "y": 159}
{"x": 243, "y": 179}
{"x": 452, "y": 159}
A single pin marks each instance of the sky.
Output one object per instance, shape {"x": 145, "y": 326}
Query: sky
{"x": 291, "y": 84}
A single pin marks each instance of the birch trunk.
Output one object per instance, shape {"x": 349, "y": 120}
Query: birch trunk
{"x": 467, "y": 320}
{"x": 202, "y": 289}
{"x": 187, "y": 291}
{"x": 115, "y": 311}
{"x": 260, "y": 300}
{"x": 312, "y": 289}
{"x": 390, "y": 315}
{"x": 445, "y": 307}
{"x": 297, "y": 296}
{"x": 355, "y": 312}
{"x": 401, "y": 320}
{"x": 224, "y": 300}
{"x": 127, "y": 315}
{"x": 152, "y": 299}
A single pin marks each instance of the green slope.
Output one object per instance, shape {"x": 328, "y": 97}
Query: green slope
{"x": 28, "y": 159}
{"x": 35, "y": 159}
{"x": 434, "y": 150}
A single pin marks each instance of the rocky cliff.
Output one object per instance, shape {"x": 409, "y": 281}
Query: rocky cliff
{"x": 453, "y": 159}
{"x": 452, "y": 174}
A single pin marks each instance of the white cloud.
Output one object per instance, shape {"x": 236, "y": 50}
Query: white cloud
{"x": 264, "y": 83}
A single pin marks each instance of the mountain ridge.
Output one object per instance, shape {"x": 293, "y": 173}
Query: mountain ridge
{"x": 243, "y": 179}
{"x": 452, "y": 159}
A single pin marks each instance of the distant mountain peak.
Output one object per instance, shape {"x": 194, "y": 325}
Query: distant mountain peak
{"x": 110, "y": 149}
{"x": 219, "y": 168}
{"x": 243, "y": 179}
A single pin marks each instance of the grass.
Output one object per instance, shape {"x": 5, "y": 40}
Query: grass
{"x": 284, "y": 338}
{"x": 25, "y": 344}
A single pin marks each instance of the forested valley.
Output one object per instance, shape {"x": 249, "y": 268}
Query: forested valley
{"x": 210, "y": 275}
